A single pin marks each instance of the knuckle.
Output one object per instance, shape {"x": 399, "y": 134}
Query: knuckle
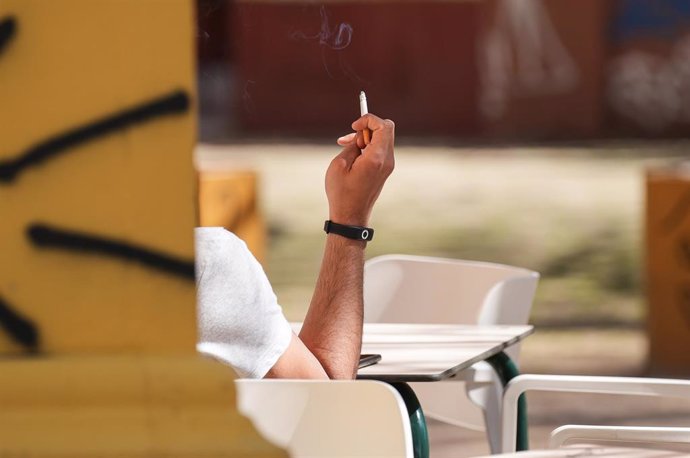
{"x": 390, "y": 165}
{"x": 387, "y": 167}
{"x": 389, "y": 124}
{"x": 338, "y": 161}
{"x": 377, "y": 162}
{"x": 374, "y": 160}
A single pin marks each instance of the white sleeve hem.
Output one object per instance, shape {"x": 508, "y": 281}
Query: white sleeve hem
{"x": 268, "y": 359}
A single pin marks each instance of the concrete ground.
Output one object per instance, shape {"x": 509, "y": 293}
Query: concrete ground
{"x": 575, "y": 214}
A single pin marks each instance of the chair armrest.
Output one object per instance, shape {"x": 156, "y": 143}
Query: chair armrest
{"x": 560, "y": 436}
{"x": 580, "y": 384}
{"x": 328, "y": 418}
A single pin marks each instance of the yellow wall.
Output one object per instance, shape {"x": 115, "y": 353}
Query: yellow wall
{"x": 71, "y": 62}
{"x": 123, "y": 406}
{"x": 113, "y": 370}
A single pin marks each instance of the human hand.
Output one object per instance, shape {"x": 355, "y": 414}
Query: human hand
{"x": 356, "y": 176}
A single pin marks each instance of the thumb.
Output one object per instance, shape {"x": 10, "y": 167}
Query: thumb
{"x": 349, "y": 154}
{"x": 345, "y": 139}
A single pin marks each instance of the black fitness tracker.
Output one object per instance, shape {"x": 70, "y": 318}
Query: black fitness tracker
{"x": 351, "y": 232}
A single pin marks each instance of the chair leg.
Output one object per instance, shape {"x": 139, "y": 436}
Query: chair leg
{"x": 488, "y": 398}
{"x": 506, "y": 370}
{"x": 420, "y": 433}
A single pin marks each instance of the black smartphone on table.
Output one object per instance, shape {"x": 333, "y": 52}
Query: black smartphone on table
{"x": 368, "y": 360}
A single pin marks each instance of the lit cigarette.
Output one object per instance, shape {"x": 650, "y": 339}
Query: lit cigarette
{"x": 363, "y": 109}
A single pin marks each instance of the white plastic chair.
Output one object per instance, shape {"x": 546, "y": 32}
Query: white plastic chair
{"x": 569, "y": 434}
{"x": 310, "y": 418}
{"x": 417, "y": 289}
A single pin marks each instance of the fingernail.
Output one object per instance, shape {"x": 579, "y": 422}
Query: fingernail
{"x": 346, "y": 138}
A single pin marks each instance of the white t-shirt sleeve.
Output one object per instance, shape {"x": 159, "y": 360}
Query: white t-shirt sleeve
{"x": 239, "y": 319}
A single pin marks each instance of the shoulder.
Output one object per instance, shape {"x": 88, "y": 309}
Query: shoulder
{"x": 216, "y": 239}
{"x": 216, "y": 234}
{"x": 219, "y": 249}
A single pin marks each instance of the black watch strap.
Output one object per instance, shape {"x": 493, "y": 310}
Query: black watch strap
{"x": 351, "y": 232}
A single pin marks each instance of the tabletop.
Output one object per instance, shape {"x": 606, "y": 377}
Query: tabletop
{"x": 431, "y": 352}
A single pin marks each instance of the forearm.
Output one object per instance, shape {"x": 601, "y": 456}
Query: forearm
{"x": 332, "y": 329}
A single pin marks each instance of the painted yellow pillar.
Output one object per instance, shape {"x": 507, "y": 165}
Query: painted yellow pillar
{"x": 97, "y": 207}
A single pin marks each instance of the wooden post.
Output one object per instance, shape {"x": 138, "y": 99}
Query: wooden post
{"x": 668, "y": 269}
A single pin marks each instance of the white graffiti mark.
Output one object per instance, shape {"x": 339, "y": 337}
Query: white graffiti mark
{"x": 652, "y": 91}
{"x": 522, "y": 55}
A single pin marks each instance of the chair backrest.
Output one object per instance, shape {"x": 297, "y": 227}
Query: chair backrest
{"x": 312, "y": 418}
{"x": 420, "y": 289}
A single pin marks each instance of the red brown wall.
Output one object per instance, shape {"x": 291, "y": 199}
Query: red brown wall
{"x": 415, "y": 60}
{"x": 423, "y": 63}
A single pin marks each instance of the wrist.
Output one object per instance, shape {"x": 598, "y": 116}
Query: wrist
{"x": 358, "y": 233}
{"x": 340, "y": 242}
{"x": 349, "y": 220}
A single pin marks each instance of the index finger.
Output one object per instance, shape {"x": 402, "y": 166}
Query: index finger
{"x": 383, "y": 130}
{"x": 370, "y": 121}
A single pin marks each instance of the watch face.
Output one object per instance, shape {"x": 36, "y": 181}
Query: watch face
{"x": 97, "y": 129}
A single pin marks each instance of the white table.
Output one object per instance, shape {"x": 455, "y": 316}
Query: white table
{"x": 432, "y": 352}
{"x": 435, "y": 352}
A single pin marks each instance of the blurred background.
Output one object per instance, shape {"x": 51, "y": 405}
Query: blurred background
{"x": 547, "y": 134}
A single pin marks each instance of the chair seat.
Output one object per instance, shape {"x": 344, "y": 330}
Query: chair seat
{"x": 594, "y": 451}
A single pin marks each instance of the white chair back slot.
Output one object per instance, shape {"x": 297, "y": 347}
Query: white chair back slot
{"x": 420, "y": 289}
{"x": 310, "y": 418}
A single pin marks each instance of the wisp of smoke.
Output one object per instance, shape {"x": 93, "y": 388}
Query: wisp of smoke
{"x": 330, "y": 38}
{"x": 247, "y": 101}
{"x": 336, "y": 38}
{"x": 208, "y": 7}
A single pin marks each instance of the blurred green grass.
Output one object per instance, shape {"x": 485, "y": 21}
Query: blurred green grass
{"x": 574, "y": 214}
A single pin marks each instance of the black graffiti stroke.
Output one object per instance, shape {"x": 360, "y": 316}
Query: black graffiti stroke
{"x": 22, "y": 330}
{"x": 173, "y": 103}
{"x": 44, "y": 235}
{"x": 8, "y": 29}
